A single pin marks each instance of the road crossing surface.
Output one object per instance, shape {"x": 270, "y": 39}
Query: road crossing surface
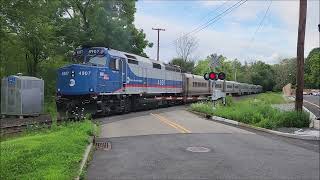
{"x": 154, "y": 145}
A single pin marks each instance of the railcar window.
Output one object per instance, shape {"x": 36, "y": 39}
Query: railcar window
{"x": 157, "y": 66}
{"x": 236, "y": 87}
{"x": 229, "y": 86}
{"x": 131, "y": 61}
{"x": 218, "y": 86}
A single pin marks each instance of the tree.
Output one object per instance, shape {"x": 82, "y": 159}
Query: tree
{"x": 284, "y": 73}
{"x": 38, "y": 35}
{"x": 312, "y": 69}
{"x": 185, "y": 46}
{"x": 30, "y": 22}
{"x": 202, "y": 67}
{"x": 262, "y": 74}
{"x": 186, "y": 66}
{"x": 102, "y": 23}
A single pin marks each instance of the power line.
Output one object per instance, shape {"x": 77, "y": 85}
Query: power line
{"x": 213, "y": 20}
{"x": 261, "y": 22}
{"x": 218, "y": 17}
{"x": 259, "y": 25}
{"x": 204, "y": 17}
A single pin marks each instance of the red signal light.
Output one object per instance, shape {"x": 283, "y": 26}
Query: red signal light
{"x": 212, "y": 76}
{"x": 221, "y": 75}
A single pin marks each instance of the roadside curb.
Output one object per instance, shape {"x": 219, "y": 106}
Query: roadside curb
{"x": 85, "y": 158}
{"x": 236, "y": 123}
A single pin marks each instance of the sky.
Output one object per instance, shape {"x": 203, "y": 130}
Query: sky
{"x": 235, "y": 35}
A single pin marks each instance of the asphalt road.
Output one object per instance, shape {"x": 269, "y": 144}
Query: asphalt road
{"x": 153, "y": 145}
{"x": 312, "y": 103}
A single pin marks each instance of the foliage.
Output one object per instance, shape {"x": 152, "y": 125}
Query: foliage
{"x": 257, "y": 111}
{"x": 262, "y": 74}
{"x": 258, "y": 73}
{"x": 312, "y": 69}
{"x": 46, "y": 154}
{"x": 37, "y": 36}
{"x": 284, "y": 73}
{"x": 186, "y": 66}
{"x": 102, "y": 23}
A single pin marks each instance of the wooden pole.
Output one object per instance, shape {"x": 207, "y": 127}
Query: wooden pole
{"x": 158, "y": 29}
{"x": 300, "y": 54}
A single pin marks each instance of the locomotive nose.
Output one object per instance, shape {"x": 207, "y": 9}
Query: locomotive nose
{"x": 76, "y": 79}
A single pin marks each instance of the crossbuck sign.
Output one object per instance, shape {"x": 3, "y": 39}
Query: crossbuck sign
{"x": 215, "y": 60}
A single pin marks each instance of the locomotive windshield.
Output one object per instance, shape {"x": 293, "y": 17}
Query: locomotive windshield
{"x": 97, "y": 61}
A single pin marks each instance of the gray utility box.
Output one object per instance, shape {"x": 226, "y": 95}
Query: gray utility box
{"x": 22, "y": 95}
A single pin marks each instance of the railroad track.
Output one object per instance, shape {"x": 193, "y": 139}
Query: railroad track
{"x": 14, "y": 125}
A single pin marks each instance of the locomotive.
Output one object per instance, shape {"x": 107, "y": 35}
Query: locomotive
{"x": 107, "y": 81}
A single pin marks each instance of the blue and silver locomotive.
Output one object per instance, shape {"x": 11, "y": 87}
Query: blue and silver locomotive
{"x": 107, "y": 81}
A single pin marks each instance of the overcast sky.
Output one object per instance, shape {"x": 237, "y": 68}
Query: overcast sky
{"x": 232, "y": 35}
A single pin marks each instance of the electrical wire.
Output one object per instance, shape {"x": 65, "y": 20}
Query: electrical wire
{"x": 213, "y": 20}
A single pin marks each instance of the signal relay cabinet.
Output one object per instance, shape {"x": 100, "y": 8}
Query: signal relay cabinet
{"x": 22, "y": 95}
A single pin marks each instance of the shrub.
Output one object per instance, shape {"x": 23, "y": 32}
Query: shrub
{"x": 229, "y": 101}
{"x": 203, "y": 107}
{"x": 257, "y": 111}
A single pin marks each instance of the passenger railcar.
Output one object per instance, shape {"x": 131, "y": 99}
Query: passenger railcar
{"x": 195, "y": 85}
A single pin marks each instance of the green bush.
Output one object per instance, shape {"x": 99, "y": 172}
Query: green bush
{"x": 203, "y": 107}
{"x": 229, "y": 101}
{"x": 257, "y": 111}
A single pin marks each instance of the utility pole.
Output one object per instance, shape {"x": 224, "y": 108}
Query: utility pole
{"x": 158, "y": 29}
{"x": 300, "y": 54}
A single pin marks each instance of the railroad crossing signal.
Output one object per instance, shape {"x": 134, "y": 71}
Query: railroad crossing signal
{"x": 214, "y": 76}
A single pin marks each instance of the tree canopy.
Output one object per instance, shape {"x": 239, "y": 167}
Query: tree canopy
{"x": 312, "y": 69}
{"x": 38, "y": 35}
{"x": 271, "y": 77}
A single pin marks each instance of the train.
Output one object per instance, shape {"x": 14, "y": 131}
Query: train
{"x": 105, "y": 81}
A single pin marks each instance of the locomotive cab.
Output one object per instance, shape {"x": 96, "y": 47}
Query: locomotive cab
{"x": 97, "y": 72}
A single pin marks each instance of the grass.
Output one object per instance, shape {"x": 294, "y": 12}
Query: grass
{"x": 257, "y": 111}
{"x": 50, "y": 108}
{"x": 47, "y": 154}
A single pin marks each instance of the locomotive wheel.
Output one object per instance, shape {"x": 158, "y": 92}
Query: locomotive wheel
{"x": 127, "y": 106}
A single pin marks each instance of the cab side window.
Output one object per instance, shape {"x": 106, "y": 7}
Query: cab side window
{"x": 114, "y": 64}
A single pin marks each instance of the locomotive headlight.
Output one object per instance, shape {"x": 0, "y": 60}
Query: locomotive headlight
{"x": 91, "y": 89}
{"x": 58, "y": 89}
{"x": 72, "y": 73}
{"x": 72, "y": 82}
